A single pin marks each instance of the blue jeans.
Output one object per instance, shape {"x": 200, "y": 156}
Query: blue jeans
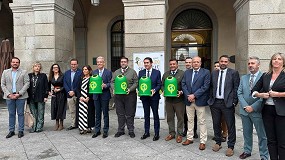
{"x": 13, "y": 105}
{"x": 101, "y": 106}
{"x": 38, "y": 111}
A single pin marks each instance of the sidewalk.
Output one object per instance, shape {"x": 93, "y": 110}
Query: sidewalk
{"x": 64, "y": 144}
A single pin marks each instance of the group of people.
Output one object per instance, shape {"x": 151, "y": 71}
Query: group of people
{"x": 261, "y": 98}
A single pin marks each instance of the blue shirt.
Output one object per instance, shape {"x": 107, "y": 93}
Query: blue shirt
{"x": 14, "y": 76}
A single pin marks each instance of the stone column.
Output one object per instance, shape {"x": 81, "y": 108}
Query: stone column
{"x": 43, "y": 32}
{"x": 144, "y": 26}
{"x": 260, "y": 30}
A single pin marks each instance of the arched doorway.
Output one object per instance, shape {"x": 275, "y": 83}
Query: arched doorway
{"x": 191, "y": 35}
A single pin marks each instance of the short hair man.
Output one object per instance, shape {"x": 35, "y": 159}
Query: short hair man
{"x": 101, "y": 101}
{"x": 126, "y": 103}
{"x": 151, "y": 102}
{"x": 174, "y": 105}
{"x": 223, "y": 99}
{"x": 15, "y": 83}
{"x": 195, "y": 86}
{"x": 250, "y": 111}
{"x": 70, "y": 84}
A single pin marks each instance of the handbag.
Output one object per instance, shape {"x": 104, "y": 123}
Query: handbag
{"x": 29, "y": 118}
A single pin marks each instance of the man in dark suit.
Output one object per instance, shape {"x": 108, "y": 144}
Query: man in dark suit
{"x": 223, "y": 99}
{"x": 250, "y": 111}
{"x": 153, "y": 100}
{"x": 101, "y": 101}
{"x": 174, "y": 105}
{"x": 70, "y": 84}
{"x": 195, "y": 86}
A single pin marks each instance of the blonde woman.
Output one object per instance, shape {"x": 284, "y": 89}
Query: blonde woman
{"x": 271, "y": 87}
{"x": 38, "y": 93}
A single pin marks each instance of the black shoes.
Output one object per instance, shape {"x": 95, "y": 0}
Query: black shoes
{"x": 96, "y": 134}
{"x": 244, "y": 155}
{"x": 195, "y": 135}
{"x": 145, "y": 136}
{"x": 10, "y": 134}
{"x": 20, "y": 134}
{"x": 132, "y": 134}
{"x": 118, "y": 134}
{"x": 71, "y": 128}
{"x": 155, "y": 138}
{"x": 105, "y": 135}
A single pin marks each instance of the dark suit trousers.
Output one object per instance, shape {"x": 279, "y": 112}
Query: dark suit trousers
{"x": 275, "y": 131}
{"x": 126, "y": 110}
{"x": 101, "y": 106}
{"x": 217, "y": 110}
{"x": 186, "y": 121}
{"x": 153, "y": 104}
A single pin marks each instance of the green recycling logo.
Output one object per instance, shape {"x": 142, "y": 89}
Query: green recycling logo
{"x": 143, "y": 87}
{"x": 124, "y": 86}
{"x": 171, "y": 88}
{"x": 93, "y": 85}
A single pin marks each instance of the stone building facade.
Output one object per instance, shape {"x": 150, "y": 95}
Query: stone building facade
{"x": 52, "y": 31}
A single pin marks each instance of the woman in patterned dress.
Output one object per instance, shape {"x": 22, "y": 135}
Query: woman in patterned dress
{"x": 86, "y": 114}
{"x": 58, "y": 96}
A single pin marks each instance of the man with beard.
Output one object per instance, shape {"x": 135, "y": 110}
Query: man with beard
{"x": 223, "y": 99}
{"x": 126, "y": 103}
{"x": 14, "y": 84}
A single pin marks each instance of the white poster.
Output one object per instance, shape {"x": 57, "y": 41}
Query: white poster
{"x": 158, "y": 63}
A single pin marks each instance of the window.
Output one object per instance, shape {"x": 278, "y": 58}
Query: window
{"x": 117, "y": 44}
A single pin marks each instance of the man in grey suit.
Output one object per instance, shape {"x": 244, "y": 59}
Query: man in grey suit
{"x": 14, "y": 84}
{"x": 250, "y": 111}
{"x": 223, "y": 99}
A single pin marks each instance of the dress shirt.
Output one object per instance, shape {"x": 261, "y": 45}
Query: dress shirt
{"x": 223, "y": 84}
{"x": 14, "y": 76}
{"x": 150, "y": 71}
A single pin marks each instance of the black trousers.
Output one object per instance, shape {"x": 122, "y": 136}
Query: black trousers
{"x": 217, "y": 110}
{"x": 126, "y": 110}
{"x": 275, "y": 132}
{"x": 186, "y": 122}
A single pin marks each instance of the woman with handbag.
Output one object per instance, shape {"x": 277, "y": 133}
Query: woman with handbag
{"x": 38, "y": 93}
{"x": 58, "y": 96}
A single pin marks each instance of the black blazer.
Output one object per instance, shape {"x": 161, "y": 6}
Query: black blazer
{"x": 230, "y": 90}
{"x": 262, "y": 86}
{"x": 41, "y": 88}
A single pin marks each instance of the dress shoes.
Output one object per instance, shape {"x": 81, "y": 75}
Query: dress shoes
{"x": 71, "y": 128}
{"x": 105, "y": 135}
{"x": 216, "y": 147}
{"x": 10, "y": 134}
{"x": 229, "y": 152}
{"x": 145, "y": 136}
{"x": 169, "y": 137}
{"x": 244, "y": 155}
{"x": 187, "y": 142}
{"x": 179, "y": 139}
{"x": 195, "y": 135}
{"x": 132, "y": 134}
{"x": 119, "y": 134}
{"x": 20, "y": 134}
{"x": 202, "y": 146}
{"x": 96, "y": 134}
{"x": 155, "y": 138}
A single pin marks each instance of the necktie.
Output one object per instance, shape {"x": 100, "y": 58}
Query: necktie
{"x": 123, "y": 71}
{"x": 220, "y": 84}
{"x": 147, "y": 73}
{"x": 251, "y": 81}
{"x": 173, "y": 73}
{"x": 195, "y": 75}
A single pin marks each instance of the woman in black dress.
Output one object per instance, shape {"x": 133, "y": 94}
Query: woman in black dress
{"x": 58, "y": 96}
{"x": 86, "y": 107}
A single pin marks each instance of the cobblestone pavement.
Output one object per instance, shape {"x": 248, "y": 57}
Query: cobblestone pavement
{"x": 64, "y": 144}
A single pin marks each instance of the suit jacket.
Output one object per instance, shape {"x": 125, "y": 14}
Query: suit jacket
{"x": 67, "y": 81}
{"x": 22, "y": 83}
{"x": 245, "y": 98}
{"x": 199, "y": 87}
{"x": 41, "y": 88}
{"x": 179, "y": 75}
{"x": 155, "y": 82}
{"x": 230, "y": 88}
{"x": 262, "y": 85}
{"x": 106, "y": 77}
